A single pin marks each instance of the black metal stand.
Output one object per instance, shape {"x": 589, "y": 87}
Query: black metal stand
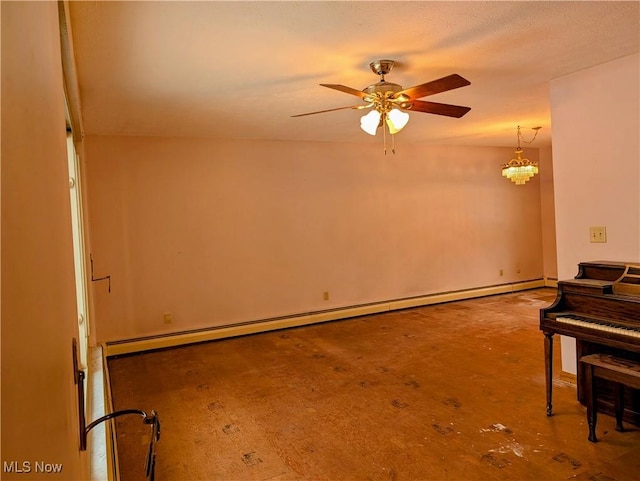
{"x": 151, "y": 419}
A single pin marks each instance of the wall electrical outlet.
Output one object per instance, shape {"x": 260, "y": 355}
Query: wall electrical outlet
{"x": 598, "y": 234}
{"x": 325, "y": 296}
{"x": 168, "y": 318}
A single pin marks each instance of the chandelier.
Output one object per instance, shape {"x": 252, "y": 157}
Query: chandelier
{"x": 519, "y": 170}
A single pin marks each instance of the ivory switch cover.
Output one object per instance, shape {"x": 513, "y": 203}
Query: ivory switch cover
{"x": 598, "y": 234}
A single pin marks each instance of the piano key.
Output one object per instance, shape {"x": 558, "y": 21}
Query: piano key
{"x": 599, "y": 325}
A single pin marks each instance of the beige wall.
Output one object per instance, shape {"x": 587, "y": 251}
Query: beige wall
{"x": 547, "y": 211}
{"x": 39, "y": 411}
{"x": 596, "y": 153}
{"x": 596, "y": 131}
{"x": 219, "y": 232}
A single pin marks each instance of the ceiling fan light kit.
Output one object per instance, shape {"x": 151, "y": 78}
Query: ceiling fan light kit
{"x": 390, "y": 102}
{"x": 396, "y": 120}
{"x": 370, "y": 122}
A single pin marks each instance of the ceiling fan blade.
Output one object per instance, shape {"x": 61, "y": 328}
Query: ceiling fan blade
{"x": 443, "y": 84}
{"x": 438, "y": 109}
{"x": 357, "y": 107}
{"x": 345, "y": 89}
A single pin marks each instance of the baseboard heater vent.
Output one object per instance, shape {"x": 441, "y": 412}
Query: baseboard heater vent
{"x": 161, "y": 341}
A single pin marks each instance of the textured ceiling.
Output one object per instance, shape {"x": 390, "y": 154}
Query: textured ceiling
{"x": 239, "y": 70}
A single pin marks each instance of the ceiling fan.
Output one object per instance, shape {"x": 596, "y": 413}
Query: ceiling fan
{"x": 389, "y": 101}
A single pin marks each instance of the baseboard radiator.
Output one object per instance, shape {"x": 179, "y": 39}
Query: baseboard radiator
{"x": 130, "y": 346}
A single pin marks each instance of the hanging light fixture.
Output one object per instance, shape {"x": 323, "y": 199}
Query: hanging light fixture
{"x": 519, "y": 170}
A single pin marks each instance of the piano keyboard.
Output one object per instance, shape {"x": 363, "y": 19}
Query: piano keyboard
{"x": 600, "y": 326}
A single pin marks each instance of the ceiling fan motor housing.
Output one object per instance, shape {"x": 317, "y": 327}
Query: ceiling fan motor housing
{"x": 382, "y": 92}
{"x": 383, "y": 88}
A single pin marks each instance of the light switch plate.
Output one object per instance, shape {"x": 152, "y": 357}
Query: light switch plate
{"x": 598, "y": 234}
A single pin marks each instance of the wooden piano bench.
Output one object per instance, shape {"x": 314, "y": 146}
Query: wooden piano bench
{"x": 623, "y": 372}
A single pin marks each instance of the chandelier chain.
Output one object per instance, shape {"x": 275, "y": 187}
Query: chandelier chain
{"x": 537, "y": 129}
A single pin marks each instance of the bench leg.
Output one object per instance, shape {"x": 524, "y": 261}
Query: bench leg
{"x": 592, "y": 404}
{"x": 619, "y": 406}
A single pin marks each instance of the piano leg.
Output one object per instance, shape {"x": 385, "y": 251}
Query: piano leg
{"x": 548, "y": 368}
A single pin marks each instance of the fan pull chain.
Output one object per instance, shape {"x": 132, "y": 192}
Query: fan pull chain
{"x": 384, "y": 141}
{"x": 384, "y": 138}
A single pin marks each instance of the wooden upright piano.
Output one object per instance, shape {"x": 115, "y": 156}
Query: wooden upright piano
{"x": 600, "y": 308}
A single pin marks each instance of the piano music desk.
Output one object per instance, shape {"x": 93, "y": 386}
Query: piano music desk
{"x": 623, "y": 372}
